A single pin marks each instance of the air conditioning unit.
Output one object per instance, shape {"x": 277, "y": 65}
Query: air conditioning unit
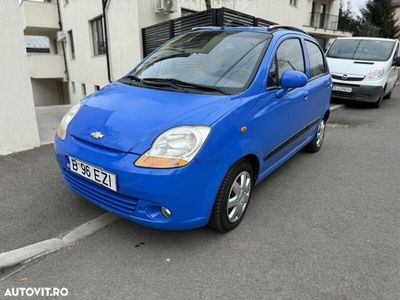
{"x": 165, "y": 6}
{"x": 61, "y": 36}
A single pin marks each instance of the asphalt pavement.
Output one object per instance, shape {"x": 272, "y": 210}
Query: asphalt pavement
{"x": 323, "y": 226}
{"x": 35, "y": 204}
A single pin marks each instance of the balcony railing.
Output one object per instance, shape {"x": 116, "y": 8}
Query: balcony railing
{"x": 324, "y": 21}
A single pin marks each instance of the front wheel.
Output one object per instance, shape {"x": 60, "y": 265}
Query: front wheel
{"x": 378, "y": 103}
{"x": 233, "y": 197}
{"x": 316, "y": 143}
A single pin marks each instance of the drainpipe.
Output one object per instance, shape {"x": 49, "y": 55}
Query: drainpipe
{"x": 62, "y": 43}
{"x": 105, "y": 6}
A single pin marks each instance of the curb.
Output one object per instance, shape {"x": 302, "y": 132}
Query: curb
{"x": 20, "y": 255}
{"x": 336, "y": 107}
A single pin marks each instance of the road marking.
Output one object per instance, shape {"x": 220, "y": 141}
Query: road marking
{"x": 336, "y": 107}
{"x": 17, "y": 256}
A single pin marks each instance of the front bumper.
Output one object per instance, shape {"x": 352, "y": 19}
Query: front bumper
{"x": 188, "y": 192}
{"x": 360, "y": 93}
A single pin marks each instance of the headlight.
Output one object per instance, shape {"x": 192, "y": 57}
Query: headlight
{"x": 175, "y": 148}
{"x": 62, "y": 129}
{"x": 375, "y": 74}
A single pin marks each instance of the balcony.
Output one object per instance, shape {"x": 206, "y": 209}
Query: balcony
{"x": 46, "y": 66}
{"x": 40, "y": 18}
{"x": 325, "y": 25}
{"x": 324, "y": 21}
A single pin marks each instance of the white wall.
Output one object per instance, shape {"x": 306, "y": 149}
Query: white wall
{"x": 18, "y": 127}
{"x": 85, "y": 68}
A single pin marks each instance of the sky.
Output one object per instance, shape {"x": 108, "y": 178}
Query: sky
{"x": 356, "y": 5}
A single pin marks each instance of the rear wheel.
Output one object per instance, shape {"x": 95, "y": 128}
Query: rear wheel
{"x": 316, "y": 143}
{"x": 233, "y": 197}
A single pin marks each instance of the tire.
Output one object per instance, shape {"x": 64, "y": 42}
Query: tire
{"x": 378, "y": 103}
{"x": 316, "y": 144}
{"x": 388, "y": 96}
{"x": 222, "y": 218}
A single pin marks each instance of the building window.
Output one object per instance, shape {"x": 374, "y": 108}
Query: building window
{"x": 71, "y": 44}
{"x": 73, "y": 87}
{"x": 83, "y": 89}
{"x": 96, "y": 88}
{"x": 293, "y": 2}
{"x": 99, "y": 43}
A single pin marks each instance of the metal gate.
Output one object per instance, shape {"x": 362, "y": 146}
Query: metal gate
{"x": 156, "y": 35}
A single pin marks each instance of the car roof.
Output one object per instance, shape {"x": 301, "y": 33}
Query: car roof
{"x": 366, "y": 38}
{"x": 272, "y": 30}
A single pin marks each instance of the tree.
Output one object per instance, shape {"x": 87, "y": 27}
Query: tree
{"x": 347, "y": 21}
{"x": 208, "y": 4}
{"x": 379, "y": 14}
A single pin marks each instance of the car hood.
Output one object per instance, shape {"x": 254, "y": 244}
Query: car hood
{"x": 354, "y": 67}
{"x": 131, "y": 117}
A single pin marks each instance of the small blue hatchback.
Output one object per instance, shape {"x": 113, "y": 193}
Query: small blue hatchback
{"x": 181, "y": 141}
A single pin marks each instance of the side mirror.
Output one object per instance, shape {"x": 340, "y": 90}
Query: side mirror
{"x": 291, "y": 80}
{"x": 396, "y": 62}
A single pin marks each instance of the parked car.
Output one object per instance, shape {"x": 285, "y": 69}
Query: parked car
{"x": 180, "y": 141}
{"x": 363, "y": 69}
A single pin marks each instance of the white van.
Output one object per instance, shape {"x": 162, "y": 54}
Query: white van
{"x": 363, "y": 69}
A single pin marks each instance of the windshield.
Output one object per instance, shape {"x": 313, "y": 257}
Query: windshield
{"x": 214, "y": 59}
{"x": 375, "y": 50}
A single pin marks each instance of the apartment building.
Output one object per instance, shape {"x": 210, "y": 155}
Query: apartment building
{"x": 77, "y": 62}
{"x": 318, "y": 18}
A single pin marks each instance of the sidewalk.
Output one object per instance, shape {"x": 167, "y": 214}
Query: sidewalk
{"x": 49, "y": 117}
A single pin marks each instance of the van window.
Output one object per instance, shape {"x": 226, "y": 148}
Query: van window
{"x": 356, "y": 49}
{"x": 316, "y": 58}
{"x": 289, "y": 57}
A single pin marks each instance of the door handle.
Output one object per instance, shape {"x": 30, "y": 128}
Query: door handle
{"x": 306, "y": 93}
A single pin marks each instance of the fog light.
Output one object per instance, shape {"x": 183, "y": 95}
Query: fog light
{"x": 166, "y": 212}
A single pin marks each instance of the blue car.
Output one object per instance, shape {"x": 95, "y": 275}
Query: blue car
{"x": 181, "y": 141}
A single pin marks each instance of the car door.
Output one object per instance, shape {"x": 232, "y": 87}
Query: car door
{"x": 318, "y": 87}
{"x": 283, "y": 118}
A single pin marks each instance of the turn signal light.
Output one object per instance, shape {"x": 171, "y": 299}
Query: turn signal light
{"x": 61, "y": 132}
{"x": 157, "y": 162}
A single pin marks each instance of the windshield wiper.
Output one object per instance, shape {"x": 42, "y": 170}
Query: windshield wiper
{"x": 134, "y": 77}
{"x": 184, "y": 84}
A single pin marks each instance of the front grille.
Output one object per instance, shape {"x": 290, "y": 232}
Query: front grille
{"x": 349, "y": 78}
{"x": 107, "y": 199}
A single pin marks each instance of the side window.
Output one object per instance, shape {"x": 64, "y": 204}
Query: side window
{"x": 316, "y": 57}
{"x": 289, "y": 57}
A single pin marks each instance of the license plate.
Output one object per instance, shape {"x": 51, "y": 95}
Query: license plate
{"x": 93, "y": 173}
{"x": 342, "y": 89}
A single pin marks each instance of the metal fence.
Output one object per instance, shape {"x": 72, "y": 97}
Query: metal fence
{"x": 156, "y": 35}
{"x": 324, "y": 21}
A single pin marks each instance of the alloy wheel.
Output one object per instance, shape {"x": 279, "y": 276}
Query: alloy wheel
{"x": 239, "y": 196}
